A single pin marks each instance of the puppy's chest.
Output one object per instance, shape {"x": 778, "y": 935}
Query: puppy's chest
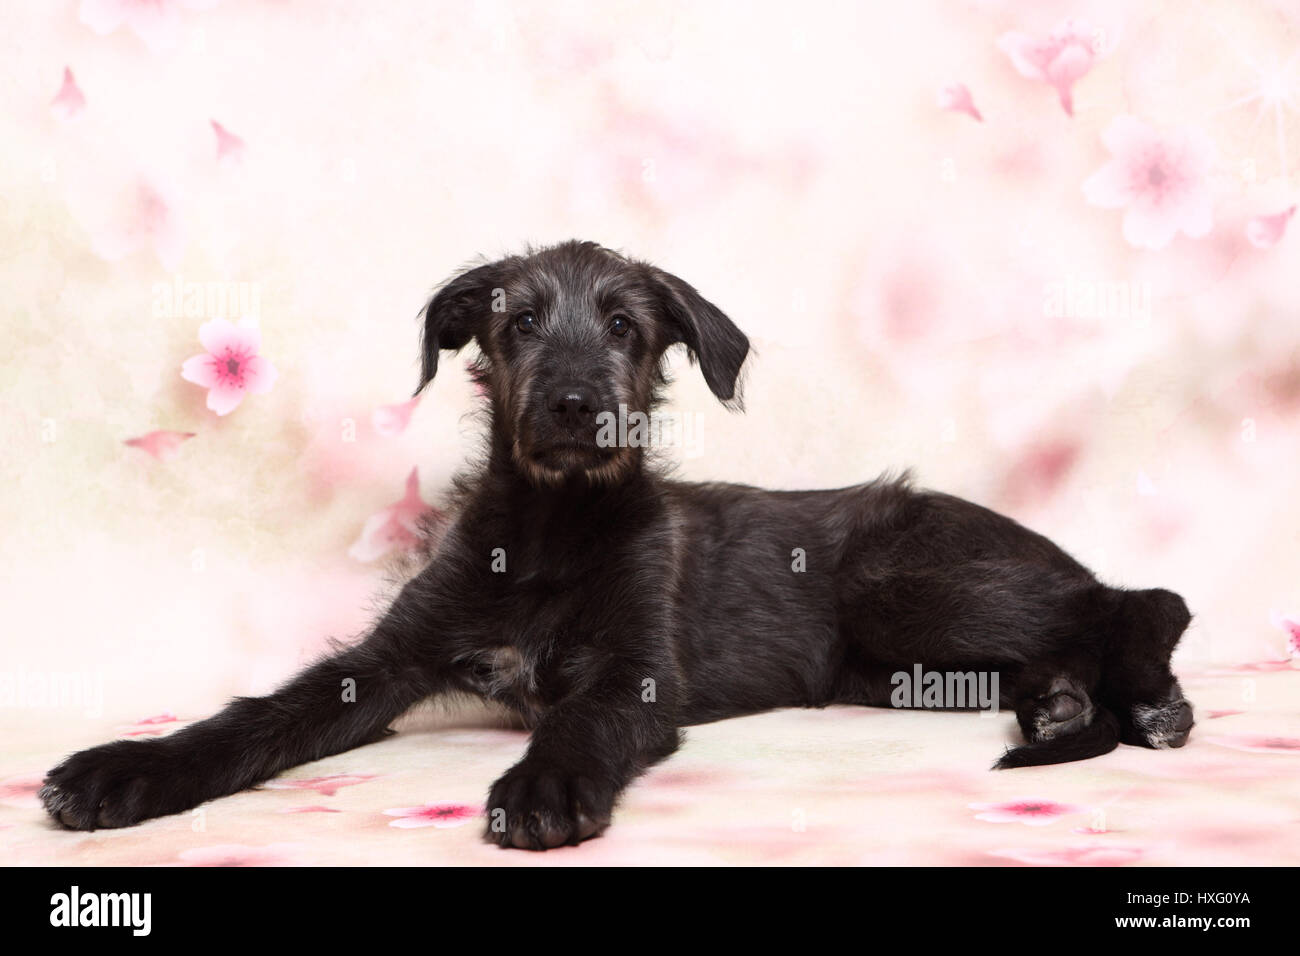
{"x": 512, "y": 675}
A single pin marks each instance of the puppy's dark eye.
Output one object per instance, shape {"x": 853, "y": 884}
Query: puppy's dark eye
{"x": 620, "y": 326}
{"x": 526, "y": 322}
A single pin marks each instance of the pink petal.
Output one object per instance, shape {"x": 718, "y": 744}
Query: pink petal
{"x": 379, "y": 535}
{"x": 201, "y": 370}
{"x": 144, "y": 215}
{"x": 163, "y": 445}
{"x": 397, "y": 526}
{"x": 156, "y": 22}
{"x": 221, "y": 336}
{"x": 224, "y": 399}
{"x": 1196, "y": 215}
{"x": 69, "y": 101}
{"x": 957, "y": 98}
{"x": 1293, "y": 630}
{"x": 1061, "y": 60}
{"x": 413, "y": 487}
{"x": 229, "y": 146}
{"x": 1264, "y": 232}
{"x": 1029, "y": 56}
{"x": 392, "y": 420}
{"x": 1147, "y": 226}
{"x": 411, "y": 511}
{"x": 1109, "y": 187}
{"x": 1071, "y": 64}
{"x": 234, "y": 854}
{"x": 326, "y": 786}
{"x": 103, "y": 16}
{"x": 310, "y": 809}
{"x": 259, "y": 375}
{"x": 1126, "y": 136}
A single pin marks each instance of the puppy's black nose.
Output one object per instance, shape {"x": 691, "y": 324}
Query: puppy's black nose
{"x": 572, "y": 405}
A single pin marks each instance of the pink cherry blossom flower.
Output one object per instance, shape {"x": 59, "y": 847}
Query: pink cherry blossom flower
{"x": 326, "y": 786}
{"x": 142, "y": 215}
{"x": 1060, "y": 61}
{"x": 1033, "y": 813}
{"x": 1289, "y": 624}
{"x": 441, "y": 815}
{"x": 391, "y": 420}
{"x": 1264, "y": 232}
{"x": 399, "y": 526}
{"x": 956, "y": 97}
{"x": 1162, "y": 179}
{"x": 1073, "y": 856}
{"x": 231, "y": 367}
{"x": 156, "y": 22}
{"x": 230, "y": 148}
{"x": 69, "y": 101}
{"x": 163, "y": 445}
{"x": 1259, "y": 743}
{"x": 237, "y": 854}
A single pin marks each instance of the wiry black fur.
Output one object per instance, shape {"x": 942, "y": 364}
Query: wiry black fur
{"x": 631, "y": 606}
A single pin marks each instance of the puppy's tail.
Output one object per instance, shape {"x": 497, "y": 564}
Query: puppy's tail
{"x": 1099, "y": 737}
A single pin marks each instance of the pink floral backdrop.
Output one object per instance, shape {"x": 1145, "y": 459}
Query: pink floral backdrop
{"x": 1041, "y": 253}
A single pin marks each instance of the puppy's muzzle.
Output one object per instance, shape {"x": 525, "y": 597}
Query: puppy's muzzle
{"x": 572, "y": 406}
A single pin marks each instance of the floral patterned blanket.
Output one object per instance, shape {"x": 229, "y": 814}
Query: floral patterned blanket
{"x": 841, "y": 786}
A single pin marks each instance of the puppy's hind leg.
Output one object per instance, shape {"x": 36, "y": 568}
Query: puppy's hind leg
{"x": 1137, "y": 682}
{"x": 1065, "y": 708}
{"x": 1061, "y": 722}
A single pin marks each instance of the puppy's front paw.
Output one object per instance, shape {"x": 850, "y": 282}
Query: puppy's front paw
{"x": 536, "y": 808}
{"x": 114, "y": 785}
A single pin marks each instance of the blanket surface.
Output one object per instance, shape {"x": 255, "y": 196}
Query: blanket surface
{"x": 844, "y": 786}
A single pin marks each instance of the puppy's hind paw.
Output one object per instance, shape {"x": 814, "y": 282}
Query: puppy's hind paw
{"x": 1164, "y": 726}
{"x": 1065, "y": 709}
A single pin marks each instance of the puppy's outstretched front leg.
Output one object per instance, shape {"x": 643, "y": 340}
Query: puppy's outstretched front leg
{"x": 583, "y": 753}
{"x": 337, "y": 704}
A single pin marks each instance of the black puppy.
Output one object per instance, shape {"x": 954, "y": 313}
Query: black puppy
{"x": 611, "y": 607}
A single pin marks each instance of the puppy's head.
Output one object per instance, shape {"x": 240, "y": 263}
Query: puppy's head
{"x": 567, "y": 335}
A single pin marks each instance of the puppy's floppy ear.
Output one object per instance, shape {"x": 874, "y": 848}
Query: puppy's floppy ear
{"x": 453, "y": 315}
{"x": 712, "y": 338}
